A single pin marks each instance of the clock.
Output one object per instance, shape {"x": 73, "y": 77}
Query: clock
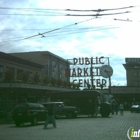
{"x": 106, "y": 71}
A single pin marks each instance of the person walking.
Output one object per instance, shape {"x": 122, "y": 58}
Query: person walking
{"x": 50, "y": 117}
{"x": 121, "y": 107}
{"x": 114, "y": 106}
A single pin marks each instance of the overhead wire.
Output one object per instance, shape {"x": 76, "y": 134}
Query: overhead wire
{"x": 70, "y": 30}
{"x": 108, "y": 14}
{"x": 102, "y": 10}
{"x": 82, "y": 15}
{"x": 51, "y": 12}
{"x": 118, "y": 19}
{"x": 60, "y": 28}
{"x": 10, "y": 40}
{"x": 93, "y": 10}
{"x": 81, "y": 31}
{"x": 64, "y": 30}
{"x": 60, "y": 34}
{"x": 54, "y": 30}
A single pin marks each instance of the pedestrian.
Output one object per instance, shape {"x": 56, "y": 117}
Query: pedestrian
{"x": 121, "y": 106}
{"x": 114, "y": 106}
{"x": 50, "y": 117}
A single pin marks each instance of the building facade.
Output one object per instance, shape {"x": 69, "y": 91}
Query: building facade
{"x": 16, "y": 67}
{"x": 132, "y": 68}
{"x": 21, "y": 77}
{"x": 13, "y": 68}
{"x": 54, "y": 65}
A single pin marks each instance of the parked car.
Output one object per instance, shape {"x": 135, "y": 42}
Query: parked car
{"x": 135, "y": 108}
{"x": 28, "y": 112}
{"x": 61, "y": 109}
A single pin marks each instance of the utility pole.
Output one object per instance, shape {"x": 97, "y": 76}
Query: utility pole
{"x": 109, "y": 79}
{"x": 91, "y": 72}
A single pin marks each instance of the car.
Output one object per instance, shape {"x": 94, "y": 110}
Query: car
{"x": 61, "y": 109}
{"x": 28, "y": 112}
{"x": 135, "y": 108}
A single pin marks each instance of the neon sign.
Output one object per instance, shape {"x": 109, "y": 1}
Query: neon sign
{"x": 86, "y": 70}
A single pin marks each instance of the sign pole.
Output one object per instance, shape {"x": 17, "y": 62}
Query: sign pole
{"x": 109, "y": 79}
{"x": 92, "y": 83}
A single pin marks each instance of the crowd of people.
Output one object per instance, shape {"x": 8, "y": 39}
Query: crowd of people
{"x": 117, "y": 105}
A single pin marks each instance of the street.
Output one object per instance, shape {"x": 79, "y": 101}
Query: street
{"x": 114, "y": 127}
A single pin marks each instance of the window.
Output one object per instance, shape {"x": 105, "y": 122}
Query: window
{"x": 10, "y": 74}
{"x": 46, "y": 69}
{"x": 19, "y": 74}
{"x": 53, "y": 63}
{"x": 138, "y": 72}
{"x": 1, "y": 71}
{"x": 53, "y": 74}
{"x": 57, "y": 106}
{"x": 61, "y": 66}
{"x": 136, "y": 83}
{"x": 61, "y": 75}
{"x": 135, "y": 73}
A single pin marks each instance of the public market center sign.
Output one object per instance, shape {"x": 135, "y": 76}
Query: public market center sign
{"x": 86, "y": 71}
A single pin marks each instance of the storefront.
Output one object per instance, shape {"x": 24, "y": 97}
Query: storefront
{"x": 12, "y": 93}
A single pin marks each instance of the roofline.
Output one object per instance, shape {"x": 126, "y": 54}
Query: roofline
{"x": 18, "y": 60}
{"x": 65, "y": 60}
{"x": 131, "y": 65}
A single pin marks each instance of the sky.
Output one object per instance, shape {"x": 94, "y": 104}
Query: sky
{"x": 48, "y": 25}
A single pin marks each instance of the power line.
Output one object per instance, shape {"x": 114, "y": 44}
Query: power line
{"x": 58, "y": 34}
{"x": 35, "y": 29}
{"x": 81, "y": 31}
{"x": 65, "y": 29}
{"x": 33, "y": 14}
{"x": 52, "y": 12}
{"x": 102, "y": 10}
{"x": 59, "y": 28}
{"x": 124, "y": 20}
{"x": 55, "y": 34}
{"x": 64, "y": 32}
{"x": 108, "y": 14}
{"x": 92, "y": 10}
{"x": 93, "y": 15}
{"x": 116, "y": 19}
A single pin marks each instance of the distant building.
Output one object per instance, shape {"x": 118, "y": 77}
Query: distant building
{"x": 17, "y": 66}
{"x": 130, "y": 93}
{"x": 132, "y": 67}
{"x": 54, "y": 65}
